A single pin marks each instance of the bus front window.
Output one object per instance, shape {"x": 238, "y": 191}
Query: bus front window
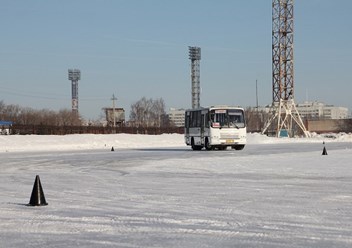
{"x": 227, "y": 118}
{"x": 222, "y": 119}
{"x": 236, "y": 118}
{"x": 218, "y": 118}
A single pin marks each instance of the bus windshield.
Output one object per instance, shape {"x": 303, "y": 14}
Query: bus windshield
{"x": 227, "y": 118}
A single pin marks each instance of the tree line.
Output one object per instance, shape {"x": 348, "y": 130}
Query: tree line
{"x": 29, "y": 116}
{"x": 144, "y": 113}
{"x": 146, "y": 116}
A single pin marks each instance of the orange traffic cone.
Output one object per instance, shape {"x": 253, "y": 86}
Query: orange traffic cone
{"x": 37, "y": 197}
{"x": 324, "y": 151}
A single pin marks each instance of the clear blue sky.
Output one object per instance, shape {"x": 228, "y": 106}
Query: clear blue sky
{"x": 134, "y": 48}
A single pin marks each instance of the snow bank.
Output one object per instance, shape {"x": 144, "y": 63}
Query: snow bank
{"x": 87, "y": 141}
{"x": 257, "y": 138}
{"x": 17, "y": 143}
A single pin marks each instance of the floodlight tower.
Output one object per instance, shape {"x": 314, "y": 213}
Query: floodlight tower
{"x": 74, "y": 75}
{"x": 284, "y": 110}
{"x": 194, "y": 56}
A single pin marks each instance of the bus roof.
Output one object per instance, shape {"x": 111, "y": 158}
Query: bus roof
{"x": 225, "y": 107}
{"x": 216, "y": 107}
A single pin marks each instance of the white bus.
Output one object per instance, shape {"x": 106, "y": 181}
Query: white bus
{"x": 215, "y": 127}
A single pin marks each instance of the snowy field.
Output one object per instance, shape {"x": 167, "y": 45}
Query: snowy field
{"x": 153, "y": 191}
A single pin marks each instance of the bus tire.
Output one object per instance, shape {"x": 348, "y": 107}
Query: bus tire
{"x": 222, "y": 148}
{"x": 238, "y": 147}
{"x": 195, "y": 147}
{"x": 207, "y": 146}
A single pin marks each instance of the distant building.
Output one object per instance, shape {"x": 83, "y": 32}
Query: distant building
{"x": 119, "y": 116}
{"x": 5, "y": 127}
{"x": 319, "y": 110}
{"x": 177, "y": 117}
{"x": 316, "y": 110}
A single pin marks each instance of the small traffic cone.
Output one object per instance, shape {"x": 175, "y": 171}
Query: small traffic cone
{"x": 37, "y": 197}
{"x": 112, "y": 149}
{"x": 324, "y": 151}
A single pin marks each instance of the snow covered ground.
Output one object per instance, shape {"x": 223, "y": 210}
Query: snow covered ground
{"x": 153, "y": 191}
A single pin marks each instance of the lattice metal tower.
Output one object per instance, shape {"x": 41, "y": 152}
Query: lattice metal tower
{"x": 74, "y": 75}
{"x": 284, "y": 112}
{"x": 194, "y": 56}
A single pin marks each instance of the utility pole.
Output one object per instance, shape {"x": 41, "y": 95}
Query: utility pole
{"x": 256, "y": 93}
{"x": 258, "y": 119}
{"x": 113, "y": 110}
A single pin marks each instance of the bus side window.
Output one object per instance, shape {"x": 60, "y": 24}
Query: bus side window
{"x": 193, "y": 119}
{"x": 212, "y": 117}
{"x": 207, "y": 121}
{"x": 199, "y": 121}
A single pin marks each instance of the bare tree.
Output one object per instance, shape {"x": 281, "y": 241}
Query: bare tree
{"x": 68, "y": 118}
{"x": 2, "y": 109}
{"x": 12, "y": 112}
{"x": 158, "y": 110}
{"x": 28, "y": 116}
{"x": 255, "y": 119}
{"x": 148, "y": 112}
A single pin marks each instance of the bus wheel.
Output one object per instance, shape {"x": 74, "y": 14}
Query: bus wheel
{"x": 195, "y": 147}
{"x": 238, "y": 147}
{"x": 207, "y": 146}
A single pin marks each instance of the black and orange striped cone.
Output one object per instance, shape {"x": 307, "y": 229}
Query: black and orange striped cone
{"x": 37, "y": 197}
{"x": 324, "y": 151}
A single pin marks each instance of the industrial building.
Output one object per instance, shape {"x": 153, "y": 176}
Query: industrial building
{"x": 115, "y": 114}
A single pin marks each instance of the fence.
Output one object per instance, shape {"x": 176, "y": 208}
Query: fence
{"x": 62, "y": 130}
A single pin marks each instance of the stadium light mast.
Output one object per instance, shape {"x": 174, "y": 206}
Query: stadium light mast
{"x": 194, "y": 56}
{"x": 74, "y": 75}
{"x": 284, "y": 111}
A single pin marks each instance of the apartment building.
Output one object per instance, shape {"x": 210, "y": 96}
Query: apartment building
{"x": 177, "y": 117}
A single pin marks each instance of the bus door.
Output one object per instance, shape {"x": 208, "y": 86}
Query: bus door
{"x": 202, "y": 124}
{"x": 187, "y": 123}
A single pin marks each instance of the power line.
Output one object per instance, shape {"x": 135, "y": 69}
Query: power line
{"x": 32, "y": 94}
